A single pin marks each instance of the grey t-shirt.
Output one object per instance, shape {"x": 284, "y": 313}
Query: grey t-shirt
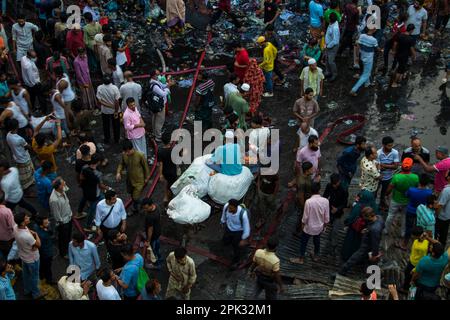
{"x": 17, "y": 145}
{"x": 444, "y": 201}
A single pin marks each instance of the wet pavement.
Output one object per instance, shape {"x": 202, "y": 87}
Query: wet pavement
{"x": 418, "y": 108}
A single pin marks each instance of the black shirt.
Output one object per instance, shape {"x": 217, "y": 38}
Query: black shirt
{"x": 404, "y": 45}
{"x": 153, "y": 219}
{"x": 268, "y": 183}
{"x": 270, "y": 10}
{"x": 42, "y": 53}
{"x": 79, "y": 164}
{"x": 338, "y": 198}
{"x": 169, "y": 170}
{"x": 90, "y": 183}
{"x": 424, "y": 154}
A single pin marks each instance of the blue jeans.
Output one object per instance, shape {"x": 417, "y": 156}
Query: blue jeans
{"x": 365, "y": 77}
{"x": 269, "y": 82}
{"x": 30, "y": 274}
{"x": 156, "y": 245}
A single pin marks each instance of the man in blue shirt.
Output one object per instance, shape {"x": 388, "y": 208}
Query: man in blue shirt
{"x": 332, "y": 38}
{"x": 347, "y": 161}
{"x": 130, "y": 272}
{"x": 6, "y": 275}
{"x": 417, "y": 196}
{"x": 44, "y": 183}
{"x": 46, "y": 251}
{"x": 237, "y": 228}
{"x": 428, "y": 272}
{"x": 227, "y": 159}
{"x": 83, "y": 253}
{"x": 316, "y": 18}
{"x": 389, "y": 160}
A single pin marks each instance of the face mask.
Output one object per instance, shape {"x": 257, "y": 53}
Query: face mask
{"x": 33, "y": 59}
{"x": 66, "y": 188}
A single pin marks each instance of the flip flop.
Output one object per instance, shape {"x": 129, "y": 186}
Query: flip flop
{"x": 296, "y": 261}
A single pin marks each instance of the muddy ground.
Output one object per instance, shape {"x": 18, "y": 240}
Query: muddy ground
{"x": 420, "y": 96}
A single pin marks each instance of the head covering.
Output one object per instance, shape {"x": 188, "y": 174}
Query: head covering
{"x": 407, "y": 163}
{"x": 229, "y": 134}
{"x": 245, "y": 87}
{"x": 442, "y": 149}
{"x": 76, "y": 26}
{"x": 366, "y": 199}
{"x": 261, "y": 39}
{"x": 312, "y": 61}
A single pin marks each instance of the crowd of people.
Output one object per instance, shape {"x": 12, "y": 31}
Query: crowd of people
{"x": 60, "y": 79}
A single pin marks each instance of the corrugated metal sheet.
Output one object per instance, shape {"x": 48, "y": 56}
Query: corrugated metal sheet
{"x": 345, "y": 288}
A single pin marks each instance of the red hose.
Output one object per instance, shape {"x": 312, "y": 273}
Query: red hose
{"x": 176, "y": 73}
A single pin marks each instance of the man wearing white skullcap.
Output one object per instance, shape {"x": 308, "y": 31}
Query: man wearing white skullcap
{"x": 312, "y": 77}
{"x": 227, "y": 158}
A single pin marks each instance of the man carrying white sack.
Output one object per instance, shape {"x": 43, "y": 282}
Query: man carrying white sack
{"x": 227, "y": 158}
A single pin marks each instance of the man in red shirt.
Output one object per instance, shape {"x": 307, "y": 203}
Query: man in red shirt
{"x": 241, "y": 61}
{"x": 224, "y": 6}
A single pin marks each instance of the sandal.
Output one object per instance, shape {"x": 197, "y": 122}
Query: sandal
{"x": 297, "y": 260}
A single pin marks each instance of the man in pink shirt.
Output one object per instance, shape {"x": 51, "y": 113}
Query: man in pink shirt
{"x": 81, "y": 67}
{"x": 135, "y": 126}
{"x": 440, "y": 167}
{"x": 310, "y": 153}
{"x": 315, "y": 217}
{"x": 6, "y": 227}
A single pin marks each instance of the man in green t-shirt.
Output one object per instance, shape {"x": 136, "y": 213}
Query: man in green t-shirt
{"x": 334, "y": 8}
{"x": 400, "y": 184}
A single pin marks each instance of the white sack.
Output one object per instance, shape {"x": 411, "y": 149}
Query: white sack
{"x": 187, "y": 208}
{"x": 222, "y": 188}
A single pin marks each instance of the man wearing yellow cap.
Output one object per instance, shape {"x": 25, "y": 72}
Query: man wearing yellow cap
{"x": 400, "y": 183}
{"x": 269, "y": 57}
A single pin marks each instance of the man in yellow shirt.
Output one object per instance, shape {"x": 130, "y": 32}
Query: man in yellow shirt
{"x": 269, "y": 57}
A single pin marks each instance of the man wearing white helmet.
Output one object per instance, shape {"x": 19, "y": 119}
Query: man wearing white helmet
{"x": 312, "y": 77}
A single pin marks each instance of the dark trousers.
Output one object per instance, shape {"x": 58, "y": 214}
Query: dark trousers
{"x": 156, "y": 247}
{"x": 410, "y": 222}
{"x": 304, "y": 239}
{"x": 23, "y": 204}
{"x": 277, "y": 71}
{"x": 37, "y": 92}
{"x": 442, "y": 21}
{"x": 106, "y": 231}
{"x": 5, "y": 247}
{"x": 346, "y": 42}
{"x": 216, "y": 16}
{"x": 267, "y": 284}
{"x": 107, "y": 120}
{"x": 358, "y": 257}
{"x": 424, "y": 292}
{"x": 45, "y": 268}
{"x": 64, "y": 237}
{"x": 408, "y": 276}
{"x": 233, "y": 238}
{"x": 383, "y": 185}
{"x": 130, "y": 298}
{"x": 387, "y": 47}
{"x": 442, "y": 231}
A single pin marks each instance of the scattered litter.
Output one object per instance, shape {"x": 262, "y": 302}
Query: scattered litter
{"x": 412, "y": 103}
{"x": 332, "y": 105}
{"x": 352, "y": 138}
{"x": 283, "y": 33}
{"x": 348, "y": 122}
{"x": 390, "y": 106}
{"x": 297, "y": 61}
{"x": 410, "y": 117}
{"x": 292, "y": 123}
{"x": 443, "y": 130}
{"x": 424, "y": 47}
{"x": 286, "y": 14}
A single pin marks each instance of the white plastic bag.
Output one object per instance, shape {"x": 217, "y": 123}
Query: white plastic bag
{"x": 222, "y": 188}
{"x": 187, "y": 208}
{"x": 48, "y": 126}
{"x": 197, "y": 174}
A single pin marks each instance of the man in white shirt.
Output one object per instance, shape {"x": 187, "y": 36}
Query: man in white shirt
{"x": 105, "y": 289}
{"x": 10, "y": 185}
{"x": 304, "y": 132}
{"x": 110, "y": 214}
{"x": 231, "y": 86}
{"x": 22, "y": 36}
{"x": 32, "y": 80}
{"x": 21, "y": 156}
{"x": 163, "y": 91}
{"x": 108, "y": 96}
{"x": 130, "y": 89}
{"x": 418, "y": 16}
{"x": 258, "y": 139}
{"x": 62, "y": 213}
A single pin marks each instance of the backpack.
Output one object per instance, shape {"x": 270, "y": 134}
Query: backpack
{"x": 154, "y": 101}
{"x": 241, "y": 214}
